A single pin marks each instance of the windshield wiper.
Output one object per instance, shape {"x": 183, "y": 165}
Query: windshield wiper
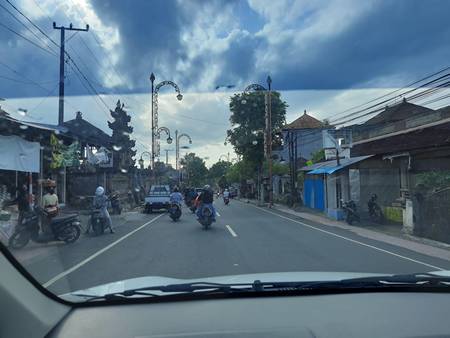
{"x": 422, "y": 280}
{"x": 184, "y": 288}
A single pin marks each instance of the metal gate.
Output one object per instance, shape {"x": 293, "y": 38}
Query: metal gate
{"x": 314, "y": 193}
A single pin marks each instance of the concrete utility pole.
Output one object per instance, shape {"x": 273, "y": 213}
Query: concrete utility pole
{"x": 61, "y": 66}
{"x": 269, "y": 138}
{"x": 167, "y": 155}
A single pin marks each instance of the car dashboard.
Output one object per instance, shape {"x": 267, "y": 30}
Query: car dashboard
{"x": 377, "y": 314}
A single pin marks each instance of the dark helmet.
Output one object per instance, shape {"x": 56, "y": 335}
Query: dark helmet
{"x": 175, "y": 189}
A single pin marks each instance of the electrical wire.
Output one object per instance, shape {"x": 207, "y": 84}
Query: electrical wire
{"x": 26, "y": 39}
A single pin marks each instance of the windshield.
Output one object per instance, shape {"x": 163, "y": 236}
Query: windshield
{"x": 326, "y": 124}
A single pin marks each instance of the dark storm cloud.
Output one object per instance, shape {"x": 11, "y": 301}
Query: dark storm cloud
{"x": 404, "y": 38}
{"x": 151, "y": 37}
{"x": 395, "y": 37}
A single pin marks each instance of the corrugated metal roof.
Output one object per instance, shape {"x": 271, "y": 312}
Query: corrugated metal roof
{"x": 329, "y": 167}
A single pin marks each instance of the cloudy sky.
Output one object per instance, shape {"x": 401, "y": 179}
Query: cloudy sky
{"x": 324, "y": 56}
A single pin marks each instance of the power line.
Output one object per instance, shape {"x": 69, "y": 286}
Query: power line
{"x": 395, "y": 91}
{"x": 25, "y": 38}
{"x": 22, "y": 75}
{"x": 26, "y": 27}
{"x": 32, "y": 23}
{"x": 66, "y": 53}
{"x": 351, "y": 116}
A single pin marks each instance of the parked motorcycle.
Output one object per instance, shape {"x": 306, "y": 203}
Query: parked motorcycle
{"x": 375, "y": 212}
{"x": 115, "y": 204}
{"x": 97, "y": 222}
{"x": 175, "y": 212}
{"x": 351, "y": 214}
{"x": 64, "y": 228}
{"x": 206, "y": 217}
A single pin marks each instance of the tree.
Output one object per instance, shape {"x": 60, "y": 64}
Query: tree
{"x": 277, "y": 168}
{"x": 123, "y": 152}
{"x": 248, "y": 123}
{"x": 318, "y": 156}
{"x": 240, "y": 171}
{"x": 197, "y": 173}
{"x": 219, "y": 169}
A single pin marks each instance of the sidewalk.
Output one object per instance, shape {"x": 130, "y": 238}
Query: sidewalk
{"x": 384, "y": 234}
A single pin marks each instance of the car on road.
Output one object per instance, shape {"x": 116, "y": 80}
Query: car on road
{"x": 158, "y": 198}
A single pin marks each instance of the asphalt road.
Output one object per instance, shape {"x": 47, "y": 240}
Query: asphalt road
{"x": 245, "y": 239}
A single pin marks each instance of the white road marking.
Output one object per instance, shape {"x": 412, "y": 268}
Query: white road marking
{"x": 231, "y": 231}
{"x": 98, "y": 253}
{"x": 351, "y": 240}
{"x": 236, "y": 264}
{"x": 217, "y": 213}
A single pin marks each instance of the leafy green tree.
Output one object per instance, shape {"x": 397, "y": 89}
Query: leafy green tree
{"x": 277, "y": 168}
{"x": 222, "y": 182}
{"x": 219, "y": 169}
{"x": 240, "y": 171}
{"x": 123, "y": 145}
{"x": 318, "y": 156}
{"x": 197, "y": 173}
{"x": 248, "y": 123}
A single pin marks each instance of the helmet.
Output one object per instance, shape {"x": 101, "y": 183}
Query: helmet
{"x": 99, "y": 191}
{"x": 207, "y": 187}
{"x": 226, "y": 189}
{"x": 175, "y": 189}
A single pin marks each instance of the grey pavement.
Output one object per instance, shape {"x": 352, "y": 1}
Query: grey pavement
{"x": 245, "y": 239}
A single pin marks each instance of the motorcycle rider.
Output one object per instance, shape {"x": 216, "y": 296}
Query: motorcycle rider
{"x": 50, "y": 204}
{"x": 206, "y": 198}
{"x": 22, "y": 201}
{"x": 176, "y": 197}
{"x": 226, "y": 194}
{"x": 101, "y": 203}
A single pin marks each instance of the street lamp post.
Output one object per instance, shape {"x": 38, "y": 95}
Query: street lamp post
{"x": 177, "y": 148}
{"x": 141, "y": 160}
{"x": 154, "y": 110}
{"x": 268, "y": 127}
{"x": 227, "y": 156}
{"x": 169, "y": 139}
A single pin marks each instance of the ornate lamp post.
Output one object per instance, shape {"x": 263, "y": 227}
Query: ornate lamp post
{"x": 141, "y": 160}
{"x": 177, "y": 146}
{"x": 177, "y": 149}
{"x": 155, "y": 91}
{"x": 268, "y": 128}
{"x": 169, "y": 139}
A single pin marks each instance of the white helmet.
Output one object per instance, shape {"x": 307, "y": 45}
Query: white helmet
{"x": 99, "y": 191}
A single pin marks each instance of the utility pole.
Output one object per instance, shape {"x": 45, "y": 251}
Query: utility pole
{"x": 152, "y": 80}
{"x": 61, "y": 66}
{"x": 269, "y": 138}
{"x": 167, "y": 155}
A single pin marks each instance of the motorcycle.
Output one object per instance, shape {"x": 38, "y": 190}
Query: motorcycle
{"x": 115, "y": 204}
{"x": 97, "y": 223}
{"x": 226, "y": 200}
{"x": 351, "y": 214}
{"x": 375, "y": 212}
{"x": 175, "y": 212}
{"x": 64, "y": 228}
{"x": 206, "y": 217}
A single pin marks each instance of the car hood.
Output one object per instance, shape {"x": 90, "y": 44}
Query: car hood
{"x": 149, "y": 281}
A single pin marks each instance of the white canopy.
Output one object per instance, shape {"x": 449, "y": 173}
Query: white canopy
{"x": 18, "y": 154}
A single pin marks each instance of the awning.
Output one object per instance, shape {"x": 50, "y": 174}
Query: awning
{"x": 18, "y": 154}
{"x": 330, "y": 167}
